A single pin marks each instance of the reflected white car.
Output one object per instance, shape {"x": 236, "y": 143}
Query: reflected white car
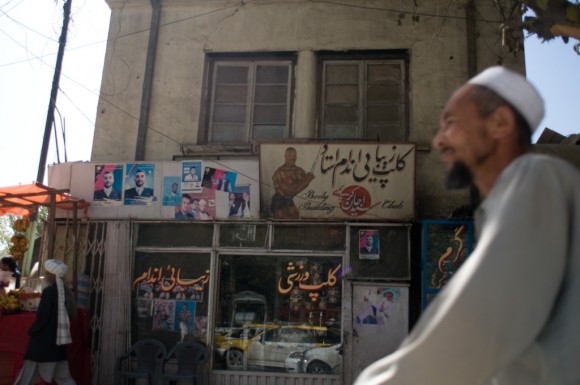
{"x": 273, "y": 347}
{"x": 319, "y": 360}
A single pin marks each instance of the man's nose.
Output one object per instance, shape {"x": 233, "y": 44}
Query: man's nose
{"x": 437, "y": 141}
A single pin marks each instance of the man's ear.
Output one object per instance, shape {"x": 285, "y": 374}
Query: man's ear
{"x": 502, "y": 122}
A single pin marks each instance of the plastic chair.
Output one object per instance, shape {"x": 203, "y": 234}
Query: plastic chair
{"x": 145, "y": 361}
{"x": 188, "y": 356}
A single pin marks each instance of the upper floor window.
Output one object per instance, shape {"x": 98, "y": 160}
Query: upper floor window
{"x": 363, "y": 99}
{"x": 250, "y": 100}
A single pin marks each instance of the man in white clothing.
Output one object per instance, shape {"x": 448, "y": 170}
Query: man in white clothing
{"x": 511, "y": 313}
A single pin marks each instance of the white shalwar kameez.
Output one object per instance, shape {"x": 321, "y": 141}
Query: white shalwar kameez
{"x": 511, "y": 314}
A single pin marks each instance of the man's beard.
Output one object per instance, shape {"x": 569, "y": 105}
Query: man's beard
{"x": 458, "y": 177}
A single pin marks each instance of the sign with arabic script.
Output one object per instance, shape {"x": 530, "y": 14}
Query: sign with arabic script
{"x": 328, "y": 180}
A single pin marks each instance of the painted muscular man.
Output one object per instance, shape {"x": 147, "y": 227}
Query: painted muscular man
{"x": 289, "y": 180}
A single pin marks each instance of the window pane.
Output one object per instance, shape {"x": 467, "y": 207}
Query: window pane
{"x": 384, "y": 93}
{"x": 265, "y": 313}
{"x": 243, "y": 235}
{"x": 271, "y": 94}
{"x": 253, "y": 95}
{"x": 272, "y": 74}
{"x": 384, "y": 72}
{"x": 269, "y": 132}
{"x": 170, "y": 297}
{"x": 313, "y": 238}
{"x": 342, "y": 73}
{"x": 232, "y": 75}
{"x": 228, "y": 133}
{"x": 385, "y": 132}
{"x": 340, "y": 132}
{"x": 341, "y": 114}
{"x": 175, "y": 235}
{"x": 383, "y": 113}
{"x": 381, "y": 103}
{"x": 269, "y": 114}
{"x": 393, "y": 259}
{"x": 231, "y": 94}
{"x": 229, "y": 114}
{"x": 341, "y": 94}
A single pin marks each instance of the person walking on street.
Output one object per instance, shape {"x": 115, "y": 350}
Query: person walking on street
{"x": 50, "y": 333}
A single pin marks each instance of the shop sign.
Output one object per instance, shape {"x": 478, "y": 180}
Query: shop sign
{"x": 338, "y": 181}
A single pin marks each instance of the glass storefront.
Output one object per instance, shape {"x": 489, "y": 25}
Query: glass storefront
{"x": 273, "y": 304}
{"x": 274, "y": 308}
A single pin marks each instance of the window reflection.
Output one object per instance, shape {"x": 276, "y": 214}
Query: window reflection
{"x": 279, "y": 313}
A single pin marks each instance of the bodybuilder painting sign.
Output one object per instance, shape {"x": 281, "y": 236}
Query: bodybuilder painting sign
{"x": 331, "y": 181}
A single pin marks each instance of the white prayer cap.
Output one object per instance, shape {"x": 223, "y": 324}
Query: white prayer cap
{"x": 515, "y": 89}
{"x": 55, "y": 267}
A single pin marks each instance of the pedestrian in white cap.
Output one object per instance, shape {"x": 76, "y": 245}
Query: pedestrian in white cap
{"x": 511, "y": 314}
{"x": 50, "y": 333}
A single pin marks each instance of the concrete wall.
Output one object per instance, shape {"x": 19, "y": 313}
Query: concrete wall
{"x": 433, "y": 33}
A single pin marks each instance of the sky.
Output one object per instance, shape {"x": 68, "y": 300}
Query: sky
{"x": 29, "y": 33}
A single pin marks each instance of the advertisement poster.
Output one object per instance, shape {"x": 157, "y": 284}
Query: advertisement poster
{"x": 196, "y": 206}
{"x": 368, "y": 244}
{"x": 163, "y": 315}
{"x": 378, "y": 306}
{"x": 191, "y": 176}
{"x": 220, "y": 180}
{"x": 185, "y": 317}
{"x": 239, "y": 203}
{"x": 108, "y": 185}
{"x": 171, "y": 191}
{"x": 139, "y": 184}
{"x": 374, "y": 181}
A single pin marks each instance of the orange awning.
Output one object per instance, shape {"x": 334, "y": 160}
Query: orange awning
{"x": 23, "y": 199}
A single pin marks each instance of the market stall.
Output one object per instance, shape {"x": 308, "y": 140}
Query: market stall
{"x": 14, "y": 338}
{"x": 15, "y": 317}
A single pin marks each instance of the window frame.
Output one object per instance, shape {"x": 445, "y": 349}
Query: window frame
{"x": 364, "y": 59}
{"x": 252, "y": 62}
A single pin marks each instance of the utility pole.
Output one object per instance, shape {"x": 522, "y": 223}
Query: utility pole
{"x": 54, "y": 91}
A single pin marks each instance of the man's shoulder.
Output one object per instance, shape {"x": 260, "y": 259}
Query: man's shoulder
{"x": 50, "y": 291}
{"x": 539, "y": 165}
{"x": 532, "y": 174}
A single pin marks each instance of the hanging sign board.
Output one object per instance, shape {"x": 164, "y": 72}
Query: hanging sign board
{"x": 338, "y": 181}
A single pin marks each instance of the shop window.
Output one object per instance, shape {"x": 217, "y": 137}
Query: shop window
{"x": 273, "y": 309}
{"x": 446, "y": 245}
{"x": 387, "y": 255}
{"x": 250, "y": 100}
{"x": 246, "y": 235}
{"x": 309, "y": 238}
{"x": 175, "y": 235}
{"x": 363, "y": 97}
{"x": 170, "y": 297}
